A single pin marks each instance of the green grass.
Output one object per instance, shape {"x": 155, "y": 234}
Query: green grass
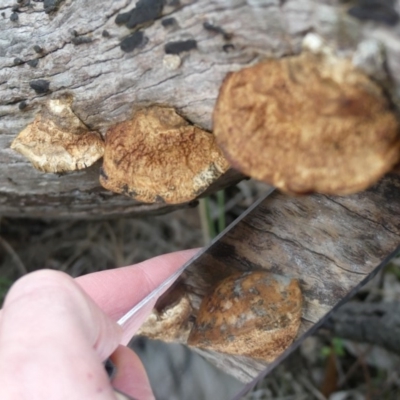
{"x": 212, "y": 227}
{"x": 336, "y": 346}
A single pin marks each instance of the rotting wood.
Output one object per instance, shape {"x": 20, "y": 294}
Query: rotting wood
{"x": 331, "y": 244}
{"x": 75, "y": 49}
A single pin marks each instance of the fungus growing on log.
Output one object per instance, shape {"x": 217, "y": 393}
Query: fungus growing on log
{"x": 38, "y": 49}
{"x": 51, "y": 5}
{"x": 14, "y": 17}
{"x": 256, "y": 314}
{"x": 158, "y": 156}
{"x": 307, "y": 123}
{"x": 57, "y": 141}
{"x": 40, "y": 86}
{"x": 132, "y": 41}
{"x": 33, "y": 63}
{"x": 145, "y": 12}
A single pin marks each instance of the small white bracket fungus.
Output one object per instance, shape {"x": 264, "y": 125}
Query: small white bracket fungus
{"x": 172, "y": 62}
{"x": 57, "y": 141}
{"x": 158, "y": 156}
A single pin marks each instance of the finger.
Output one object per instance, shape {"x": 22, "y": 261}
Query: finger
{"x": 117, "y": 291}
{"x": 131, "y": 377}
{"x": 48, "y": 332}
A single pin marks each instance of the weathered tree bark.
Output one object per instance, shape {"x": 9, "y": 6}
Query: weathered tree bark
{"x": 80, "y": 54}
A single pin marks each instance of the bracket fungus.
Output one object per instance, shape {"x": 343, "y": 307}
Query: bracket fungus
{"x": 57, "y": 141}
{"x": 307, "y": 123}
{"x": 255, "y": 313}
{"x": 158, "y": 156}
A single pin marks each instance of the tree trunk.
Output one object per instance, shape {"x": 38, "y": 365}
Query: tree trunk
{"x": 75, "y": 45}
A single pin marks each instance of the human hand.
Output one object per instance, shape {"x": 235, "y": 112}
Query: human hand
{"x": 55, "y": 332}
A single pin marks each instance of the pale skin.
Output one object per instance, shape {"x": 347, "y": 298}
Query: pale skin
{"x": 56, "y": 331}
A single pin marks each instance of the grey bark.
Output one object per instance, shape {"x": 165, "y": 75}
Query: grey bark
{"x": 375, "y": 323}
{"x": 76, "y": 57}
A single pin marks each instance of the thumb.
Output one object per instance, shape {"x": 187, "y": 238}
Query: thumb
{"x": 52, "y": 340}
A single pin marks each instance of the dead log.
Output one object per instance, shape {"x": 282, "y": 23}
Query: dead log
{"x": 177, "y": 58}
{"x": 375, "y": 323}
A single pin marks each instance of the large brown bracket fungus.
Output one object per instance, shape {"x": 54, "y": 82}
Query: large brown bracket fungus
{"x": 255, "y": 313}
{"x": 57, "y": 140}
{"x": 158, "y": 156}
{"x": 307, "y": 123}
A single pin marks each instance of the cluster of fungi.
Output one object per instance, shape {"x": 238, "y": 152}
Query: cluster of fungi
{"x": 305, "y": 123}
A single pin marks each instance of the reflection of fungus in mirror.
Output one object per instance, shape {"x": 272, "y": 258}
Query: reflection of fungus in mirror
{"x": 307, "y": 123}
{"x": 255, "y": 313}
{"x": 57, "y": 141}
{"x": 158, "y": 156}
{"x": 170, "y": 324}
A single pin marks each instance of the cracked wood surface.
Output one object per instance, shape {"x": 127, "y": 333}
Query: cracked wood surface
{"x": 107, "y": 83}
{"x": 330, "y": 244}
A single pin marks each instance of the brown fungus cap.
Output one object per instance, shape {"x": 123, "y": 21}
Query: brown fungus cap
{"x": 159, "y": 157}
{"x": 57, "y": 141}
{"x": 307, "y": 123}
{"x": 256, "y": 314}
